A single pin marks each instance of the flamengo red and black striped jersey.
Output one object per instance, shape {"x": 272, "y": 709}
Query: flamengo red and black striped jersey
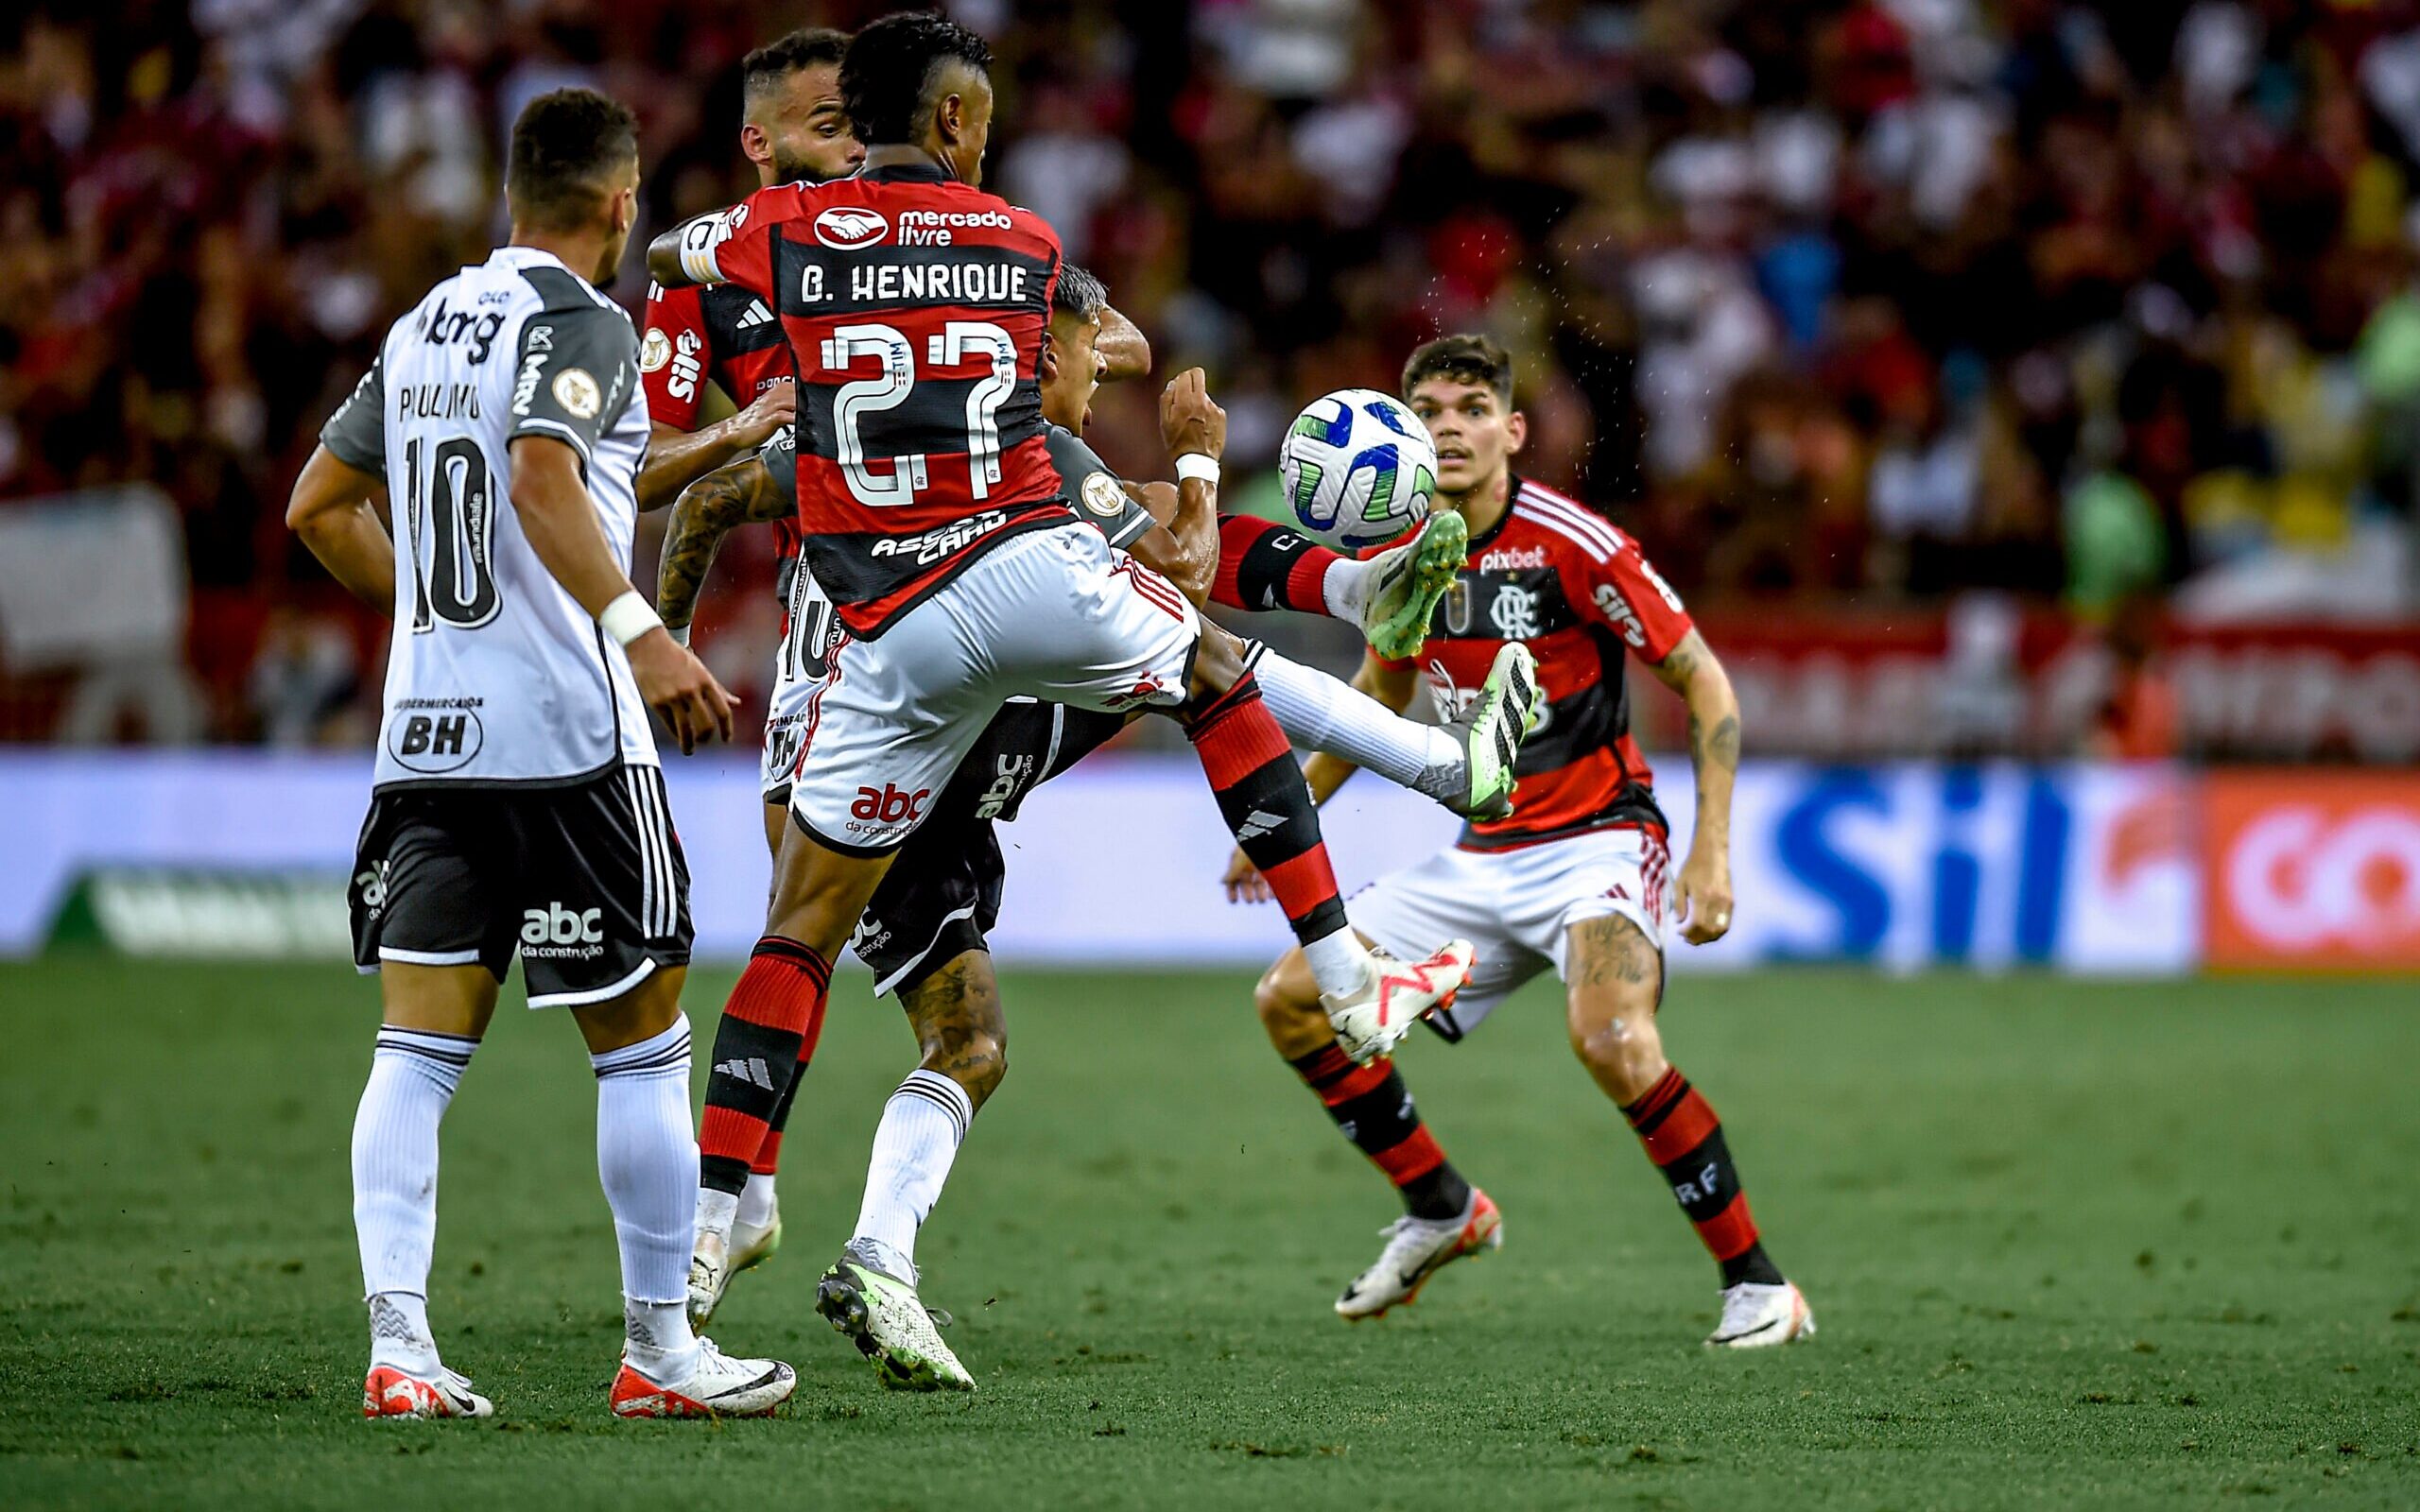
{"x": 721, "y": 332}
{"x": 915, "y": 307}
{"x": 1557, "y": 574}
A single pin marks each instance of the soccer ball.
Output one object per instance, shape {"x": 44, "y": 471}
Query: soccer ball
{"x": 1358, "y": 469}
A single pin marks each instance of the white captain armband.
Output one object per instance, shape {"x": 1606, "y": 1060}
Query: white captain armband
{"x": 698, "y": 239}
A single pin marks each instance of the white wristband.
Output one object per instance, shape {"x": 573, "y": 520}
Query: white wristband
{"x": 1198, "y": 467}
{"x": 680, "y": 634}
{"x": 628, "y": 618}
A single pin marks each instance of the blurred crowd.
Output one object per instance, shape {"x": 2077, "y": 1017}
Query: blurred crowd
{"x": 2093, "y": 302}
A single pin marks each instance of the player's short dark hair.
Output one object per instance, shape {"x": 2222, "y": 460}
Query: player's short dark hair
{"x": 564, "y": 145}
{"x": 1080, "y": 293}
{"x": 887, "y": 77}
{"x": 769, "y": 66}
{"x": 1467, "y": 358}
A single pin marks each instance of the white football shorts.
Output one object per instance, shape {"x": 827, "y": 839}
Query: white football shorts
{"x": 1515, "y": 906}
{"x": 1058, "y": 615}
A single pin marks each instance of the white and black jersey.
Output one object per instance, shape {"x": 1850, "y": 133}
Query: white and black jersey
{"x": 496, "y": 675}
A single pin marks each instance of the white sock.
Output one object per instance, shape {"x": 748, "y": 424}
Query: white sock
{"x": 1340, "y": 962}
{"x": 922, "y": 1128}
{"x": 1346, "y": 588}
{"x": 1321, "y": 712}
{"x": 412, "y": 1077}
{"x": 757, "y": 1200}
{"x": 646, "y": 1157}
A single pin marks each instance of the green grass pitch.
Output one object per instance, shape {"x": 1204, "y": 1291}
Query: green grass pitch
{"x": 2071, "y": 1246}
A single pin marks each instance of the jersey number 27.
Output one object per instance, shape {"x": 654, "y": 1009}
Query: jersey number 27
{"x": 958, "y": 342}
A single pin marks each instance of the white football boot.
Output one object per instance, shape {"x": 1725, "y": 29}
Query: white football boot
{"x": 721, "y": 1386}
{"x": 883, "y": 1317}
{"x": 1418, "y": 1249}
{"x": 1395, "y": 995}
{"x": 390, "y": 1392}
{"x": 720, "y": 1258}
{"x": 1756, "y": 1316}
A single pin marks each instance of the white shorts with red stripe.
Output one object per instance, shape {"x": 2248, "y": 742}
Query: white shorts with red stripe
{"x": 1058, "y": 615}
{"x": 1516, "y": 906}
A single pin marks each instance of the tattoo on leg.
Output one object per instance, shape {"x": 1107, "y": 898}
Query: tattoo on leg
{"x": 956, "y": 1015}
{"x": 1610, "y": 949}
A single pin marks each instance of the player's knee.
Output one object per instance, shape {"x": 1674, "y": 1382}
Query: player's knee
{"x": 1621, "y": 1050}
{"x": 1218, "y": 664}
{"x": 977, "y": 1059}
{"x": 1288, "y": 1000}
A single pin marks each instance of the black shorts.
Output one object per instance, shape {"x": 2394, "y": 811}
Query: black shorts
{"x": 941, "y": 896}
{"x": 586, "y": 882}
{"x": 938, "y": 902}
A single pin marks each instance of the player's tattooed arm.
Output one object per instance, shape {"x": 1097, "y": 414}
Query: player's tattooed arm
{"x": 676, "y": 458}
{"x": 1701, "y": 899}
{"x": 336, "y": 508}
{"x": 707, "y": 510}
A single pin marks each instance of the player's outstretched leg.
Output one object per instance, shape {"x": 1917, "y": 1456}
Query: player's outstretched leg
{"x": 1466, "y": 765}
{"x": 1371, "y": 1001}
{"x": 870, "y": 1293}
{"x": 648, "y": 1161}
{"x": 1390, "y": 595}
{"x": 412, "y": 1077}
{"x": 774, "y": 1013}
{"x": 1615, "y": 977}
{"x": 1445, "y": 1218}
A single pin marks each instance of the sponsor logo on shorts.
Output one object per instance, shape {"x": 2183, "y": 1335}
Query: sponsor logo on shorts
{"x": 885, "y": 814}
{"x": 556, "y": 933}
{"x": 370, "y": 883}
{"x": 1010, "y": 777}
{"x": 1151, "y": 689}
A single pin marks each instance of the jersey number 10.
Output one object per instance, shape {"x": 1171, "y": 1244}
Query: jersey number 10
{"x": 959, "y": 342}
{"x": 453, "y": 575}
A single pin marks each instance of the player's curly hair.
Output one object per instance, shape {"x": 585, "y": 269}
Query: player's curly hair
{"x": 887, "y": 77}
{"x": 1466, "y": 358}
{"x": 769, "y": 66}
{"x": 563, "y": 145}
{"x": 1080, "y": 293}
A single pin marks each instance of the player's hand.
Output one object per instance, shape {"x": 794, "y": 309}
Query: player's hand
{"x": 1190, "y": 419}
{"x": 1244, "y": 882}
{"x": 678, "y": 686}
{"x": 771, "y": 410}
{"x": 1702, "y": 897}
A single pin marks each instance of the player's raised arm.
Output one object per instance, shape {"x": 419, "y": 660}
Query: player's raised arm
{"x": 334, "y": 504}
{"x": 1701, "y": 900}
{"x": 676, "y": 458}
{"x": 686, "y": 254}
{"x": 745, "y": 492}
{"x": 1184, "y": 548}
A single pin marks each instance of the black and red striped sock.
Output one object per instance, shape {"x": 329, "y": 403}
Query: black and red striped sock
{"x": 755, "y": 1055}
{"x": 769, "y": 1153}
{"x": 1267, "y": 806}
{"x": 1262, "y": 565}
{"x": 1373, "y": 1109}
{"x": 1685, "y": 1140}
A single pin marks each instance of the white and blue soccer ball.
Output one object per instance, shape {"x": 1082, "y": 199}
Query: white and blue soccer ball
{"x": 1358, "y": 469}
